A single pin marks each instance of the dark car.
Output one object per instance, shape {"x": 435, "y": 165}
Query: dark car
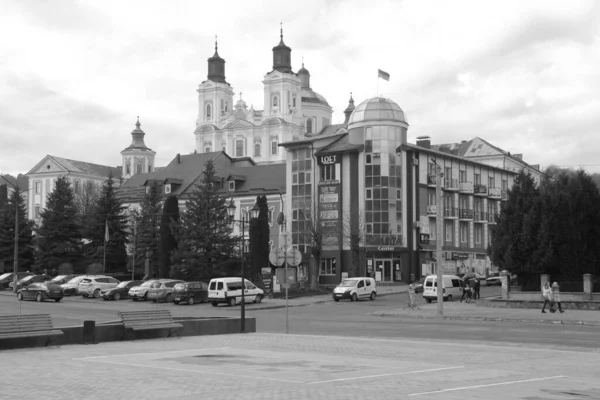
{"x": 418, "y": 285}
{"x": 7, "y": 278}
{"x": 60, "y": 279}
{"x": 190, "y": 293}
{"x": 41, "y": 292}
{"x": 28, "y": 280}
{"x": 121, "y": 291}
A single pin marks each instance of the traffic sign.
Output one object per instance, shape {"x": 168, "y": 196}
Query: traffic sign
{"x": 285, "y": 239}
{"x": 277, "y": 257}
{"x": 294, "y": 257}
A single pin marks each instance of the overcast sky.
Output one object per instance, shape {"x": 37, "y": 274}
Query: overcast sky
{"x": 523, "y": 75}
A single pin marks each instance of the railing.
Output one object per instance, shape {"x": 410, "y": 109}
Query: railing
{"x": 465, "y": 187}
{"x": 431, "y": 209}
{"x": 465, "y": 213}
{"x": 495, "y": 192}
{"x": 451, "y": 184}
{"x": 479, "y": 215}
{"x": 480, "y": 189}
{"x": 504, "y": 195}
{"x": 451, "y": 212}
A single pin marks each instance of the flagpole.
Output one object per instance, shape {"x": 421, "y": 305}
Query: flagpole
{"x": 105, "y": 231}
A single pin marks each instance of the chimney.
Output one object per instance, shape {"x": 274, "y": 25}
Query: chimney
{"x": 424, "y": 141}
{"x": 178, "y": 158}
{"x": 519, "y": 156}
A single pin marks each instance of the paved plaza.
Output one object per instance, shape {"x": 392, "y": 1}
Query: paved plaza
{"x": 278, "y": 366}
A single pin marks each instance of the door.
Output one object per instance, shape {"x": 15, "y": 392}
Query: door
{"x": 360, "y": 289}
{"x": 388, "y": 273}
{"x": 378, "y": 270}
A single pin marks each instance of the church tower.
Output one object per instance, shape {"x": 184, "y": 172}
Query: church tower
{"x": 215, "y": 95}
{"x": 137, "y": 158}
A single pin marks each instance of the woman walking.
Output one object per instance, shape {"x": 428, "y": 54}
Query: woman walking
{"x": 556, "y": 297}
{"x": 547, "y": 294}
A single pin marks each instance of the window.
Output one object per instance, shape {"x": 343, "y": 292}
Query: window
{"x": 477, "y": 179}
{"x": 139, "y": 167}
{"x": 231, "y": 185}
{"x": 275, "y": 101}
{"x": 328, "y": 172}
{"x": 168, "y": 188}
{"x": 492, "y": 182}
{"x": 369, "y": 193}
{"x": 208, "y": 111}
{"x": 504, "y": 184}
{"x": 328, "y": 266}
{"x": 361, "y": 284}
{"x": 478, "y": 234}
{"x": 127, "y": 168}
{"x": 38, "y": 187}
{"x": 257, "y": 150}
{"x": 77, "y": 186}
{"x": 207, "y": 149}
{"x": 463, "y": 176}
{"x": 150, "y": 167}
{"x": 37, "y": 210}
{"x": 464, "y": 232}
{"x": 431, "y": 197}
{"x": 239, "y": 148}
{"x": 309, "y": 125}
{"x": 449, "y": 231}
{"x": 274, "y": 148}
{"x": 294, "y": 101}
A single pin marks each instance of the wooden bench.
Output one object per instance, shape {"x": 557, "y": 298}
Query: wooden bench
{"x": 28, "y": 325}
{"x": 149, "y": 320}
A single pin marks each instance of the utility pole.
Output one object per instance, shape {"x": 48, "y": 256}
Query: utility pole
{"x": 438, "y": 242}
{"x": 16, "y": 254}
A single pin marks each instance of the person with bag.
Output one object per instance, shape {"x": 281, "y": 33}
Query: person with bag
{"x": 547, "y": 294}
{"x": 556, "y": 297}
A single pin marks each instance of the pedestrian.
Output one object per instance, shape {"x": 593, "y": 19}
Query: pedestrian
{"x": 476, "y": 288}
{"x": 556, "y": 296}
{"x": 469, "y": 291}
{"x": 547, "y": 294}
{"x": 464, "y": 291}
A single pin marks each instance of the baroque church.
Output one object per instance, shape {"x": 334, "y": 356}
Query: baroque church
{"x": 291, "y": 111}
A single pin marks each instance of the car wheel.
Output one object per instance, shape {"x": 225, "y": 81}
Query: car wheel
{"x": 20, "y": 296}
{"x": 214, "y": 304}
{"x": 258, "y": 299}
{"x": 354, "y": 297}
{"x": 134, "y": 299}
{"x": 191, "y": 301}
{"x": 373, "y": 295}
{"x": 84, "y": 295}
{"x": 231, "y": 301}
{"x": 57, "y": 300}
{"x": 96, "y": 293}
{"x": 117, "y": 296}
{"x": 39, "y": 298}
{"x": 176, "y": 302}
{"x": 336, "y": 300}
{"x": 428, "y": 300}
{"x": 449, "y": 298}
{"x": 145, "y": 297}
{"x": 169, "y": 298}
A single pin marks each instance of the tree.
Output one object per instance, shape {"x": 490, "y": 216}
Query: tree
{"x": 3, "y": 196}
{"x": 259, "y": 241}
{"x": 205, "y": 233}
{"x": 354, "y": 237}
{"x": 26, "y": 256}
{"x": 148, "y": 228}
{"x": 167, "y": 232}
{"x": 86, "y": 200}
{"x": 59, "y": 236}
{"x": 109, "y": 213}
{"x": 515, "y": 238}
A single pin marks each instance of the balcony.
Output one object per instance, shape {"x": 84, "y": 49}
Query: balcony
{"x": 432, "y": 210}
{"x": 451, "y": 184}
{"x": 431, "y": 180}
{"x": 492, "y": 218}
{"x": 465, "y": 213}
{"x": 479, "y": 216}
{"x": 495, "y": 193}
{"x": 465, "y": 187}
{"x": 480, "y": 190}
{"x": 451, "y": 212}
{"x": 504, "y": 195}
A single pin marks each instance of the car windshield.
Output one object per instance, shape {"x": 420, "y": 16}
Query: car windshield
{"x": 147, "y": 283}
{"x": 58, "y": 278}
{"x": 4, "y": 276}
{"x": 348, "y": 283}
{"x": 123, "y": 284}
{"x": 181, "y": 286}
{"x": 77, "y": 279}
{"x": 26, "y": 279}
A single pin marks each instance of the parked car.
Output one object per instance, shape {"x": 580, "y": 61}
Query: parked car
{"x": 355, "y": 289}
{"x": 121, "y": 291}
{"x": 452, "y": 287}
{"x": 141, "y": 292}
{"x": 71, "y": 288}
{"x": 162, "y": 290}
{"x": 493, "y": 281}
{"x": 229, "y": 290}
{"x": 190, "y": 293}
{"x": 60, "y": 279}
{"x": 93, "y": 285}
{"x": 418, "y": 285}
{"x": 7, "y": 278}
{"x": 28, "y": 280}
{"x": 41, "y": 291}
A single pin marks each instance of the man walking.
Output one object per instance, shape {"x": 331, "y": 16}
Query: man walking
{"x": 476, "y": 288}
{"x": 556, "y": 297}
{"x": 547, "y": 294}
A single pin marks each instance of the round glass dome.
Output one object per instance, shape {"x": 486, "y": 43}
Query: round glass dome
{"x": 377, "y": 109}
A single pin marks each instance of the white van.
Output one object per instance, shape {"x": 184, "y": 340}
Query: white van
{"x": 354, "y": 289}
{"x": 229, "y": 290}
{"x": 451, "y": 284}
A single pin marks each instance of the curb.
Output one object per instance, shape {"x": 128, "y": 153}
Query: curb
{"x": 493, "y": 319}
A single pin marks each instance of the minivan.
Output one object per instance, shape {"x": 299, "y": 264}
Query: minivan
{"x": 355, "y": 289}
{"x": 452, "y": 287}
{"x": 190, "y": 293}
{"x": 229, "y": 290}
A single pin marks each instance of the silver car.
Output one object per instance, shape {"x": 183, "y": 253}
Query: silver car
{"x": 141, "y": 292}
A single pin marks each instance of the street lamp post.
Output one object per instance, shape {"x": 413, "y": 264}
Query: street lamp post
{"x": 439, "y": 238}
{"x": 254, "y": 214}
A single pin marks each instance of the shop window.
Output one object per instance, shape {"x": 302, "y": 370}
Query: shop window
{"x": 328, "y": 266}
{"x": 328, "y": 172}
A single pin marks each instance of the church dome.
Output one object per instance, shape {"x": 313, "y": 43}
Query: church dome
{"x": 310, "y": 96}
{"x": 377, "y": 109}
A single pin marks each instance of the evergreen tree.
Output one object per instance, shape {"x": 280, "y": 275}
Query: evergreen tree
{"x": 3, "y": 196}
{"x": 109, "y": 212}
{"x": 167, "y": 232}
{"x": 59, "y": 236}
{"x": 259, "y": 241}
{"x": 148, "y": 228}
{"x": 205, "y": 241}
{"x": 515, "y": 238}
{"x": 26, "y": 256}
{"x": 86, "y": 201}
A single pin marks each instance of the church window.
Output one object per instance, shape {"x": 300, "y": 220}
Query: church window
{"x": 139, "y": 167}
{"x": 207, "y": 149}
{"x": 294, "y": 101}
{"x": 37, "y": 210}
{"x": 222, "y": 106}
{"x": 257, "y": 150}
{"x": 77, "y": 186}
{"x": 150, "y": 167}
{"x": 275, "y": 101}
{"x": 309, "y": 125}
{"x": 239, "y": 148}
{"x": 38, "y": 187}
{"x": 127, "y": 167}
{"x": 274, "y": 148}
{"x": 226, "y": 106}
{"x": 208, "y": 111}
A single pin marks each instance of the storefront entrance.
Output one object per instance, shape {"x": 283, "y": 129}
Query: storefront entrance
{"x": 384, "y": 270}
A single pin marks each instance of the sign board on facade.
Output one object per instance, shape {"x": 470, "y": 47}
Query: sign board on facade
{"x": 424, "y": 238}
{"x": 460, "y": 256}
{"x": 330, "y": 159}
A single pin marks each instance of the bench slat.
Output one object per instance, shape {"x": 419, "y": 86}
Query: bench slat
{"x": 142, "y": 328}
{"x": 31, "y": 334}
{"x": 27, "y": 325}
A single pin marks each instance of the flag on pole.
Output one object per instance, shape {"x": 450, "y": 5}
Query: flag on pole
{"x": 106, "y": 236}
{"x": 383, "y": 75}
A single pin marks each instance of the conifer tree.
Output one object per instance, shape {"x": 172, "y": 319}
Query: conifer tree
{"x": 26, "y": 255}
{"x": 259, "y": 241}
{"x": 168, "y": 239}
{"x": 148, "y": 228}
{"x": 205, "y": 241}
{"x": 59, "y": 236}
{"x": 3, "y": 196}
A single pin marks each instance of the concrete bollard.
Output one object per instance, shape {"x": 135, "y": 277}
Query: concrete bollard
{"x": 89, "y": 328}
{"x": 504, "y": 278}
{"x": 587, "y": 286}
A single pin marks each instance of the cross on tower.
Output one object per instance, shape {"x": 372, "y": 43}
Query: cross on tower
{"x": 240, "y": 96}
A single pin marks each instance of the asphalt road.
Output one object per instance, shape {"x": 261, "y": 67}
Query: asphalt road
{"x": 342, "y": 319}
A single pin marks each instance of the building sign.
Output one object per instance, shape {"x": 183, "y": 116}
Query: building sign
{"x": 328, "y": 160}
{"x": 460, "y": 256}
{"x": 329, "y": 211}
{"x": 386, "y": 248}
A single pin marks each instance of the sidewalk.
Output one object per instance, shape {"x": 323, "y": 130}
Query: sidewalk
{"x": 271, "y": 304}
{"x": 463, "y": 311}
